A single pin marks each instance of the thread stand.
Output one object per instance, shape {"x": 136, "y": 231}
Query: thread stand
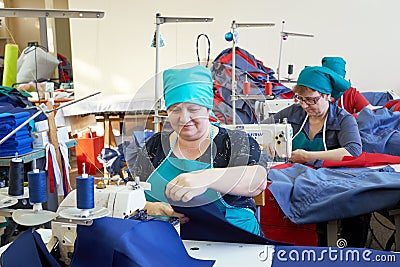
{"x": 84, "y": 215}
{"x": 37, "y": 216}
{"x": 6, "y": 201}
{"x": 233, "y": 37}
{"x": 84, "y": 195}
{"x": 284, "y": 36}
{"x": 37, "y": 196}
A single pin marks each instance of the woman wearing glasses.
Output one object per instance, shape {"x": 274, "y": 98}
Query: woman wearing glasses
{"x": 321, "y": 130}
{"x": 324, "y": 131}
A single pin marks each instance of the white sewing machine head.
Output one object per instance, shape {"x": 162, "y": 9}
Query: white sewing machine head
{"x": 279, "y": 136}
{"x": 120, "y": 200}
{"x": 264, "y": 109}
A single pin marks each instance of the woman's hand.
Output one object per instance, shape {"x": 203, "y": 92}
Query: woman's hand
{"x": 270, "y": 149}
{"x": 300, "y": 156}
{"x": 186, "y": 186}
{"x": 163, "y": 209}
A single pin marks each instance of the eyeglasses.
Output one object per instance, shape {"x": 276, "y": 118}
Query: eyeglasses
{"x": 308, "y": 100}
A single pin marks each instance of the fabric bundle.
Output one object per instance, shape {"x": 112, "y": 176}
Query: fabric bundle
{"x": 20, "y": 142}
{"x": 248, "y": 68}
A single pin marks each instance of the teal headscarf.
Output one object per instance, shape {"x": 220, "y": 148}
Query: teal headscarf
{"x": 192, "y": 85}
{"x": 337, "y": 64}
{"x": 323, "y": 80}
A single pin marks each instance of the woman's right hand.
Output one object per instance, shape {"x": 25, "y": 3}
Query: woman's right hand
{"x": 270, "y": 149}
{"x": 164, "y": 209}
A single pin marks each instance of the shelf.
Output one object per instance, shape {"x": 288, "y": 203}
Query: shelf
{"x": 35, "y": 154}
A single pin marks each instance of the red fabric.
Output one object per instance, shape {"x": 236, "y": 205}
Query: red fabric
{"x": 353, "y": 100}
{"x": 364, "y": 160}
{"x": 50, "y": 174}
{"x": 288, "y": 95}
{"x": 277, "y": 226}
{"x": 393, "y": 105}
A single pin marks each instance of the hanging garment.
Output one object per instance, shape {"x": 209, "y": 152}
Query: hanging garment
{"x": 247, "y": 67}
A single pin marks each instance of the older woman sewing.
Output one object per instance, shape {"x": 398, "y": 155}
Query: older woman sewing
{"x": 321, "y": 129}
{"x": 324, "y": 131}
{"x": 198, "y": 158}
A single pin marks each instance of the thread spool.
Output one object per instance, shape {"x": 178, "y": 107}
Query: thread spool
{"x": 246, "y": 87}
{"x": 37, "y": 186}
{"x": 268, "y": 88}
{"x": 16, "y": 177}
{"x": 37, "y": 195}
{"x": 290, "y": 69}
{"x": 85, "y": 193}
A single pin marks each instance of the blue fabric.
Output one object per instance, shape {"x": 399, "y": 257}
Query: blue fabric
{"x": 207, "y": 223}
{"x": 21, "y": 145}
{"x": 341, "y": 127}
{"x": 9, "y": 121}
{"x": 13, "y": 119}
{"x": 192, "y": 85}
{"x": 14, "y": 143}
{"x": 323, "y": 80}
{"x": 118, "y": 242}
{"x": 24, "y": 132}
{"x": 306, "y": 195}
{"x": 377, "y": 98}
{"x": 28, "y": 250}
{"x": 337, "y": 64}
{"x": 11, "y": 152}
{"x": 332, "y": 257}
{"x": 8, "y": 108}
{"x": 380, "y": 131}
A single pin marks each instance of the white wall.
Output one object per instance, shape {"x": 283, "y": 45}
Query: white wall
{"x": 113, "y": 54}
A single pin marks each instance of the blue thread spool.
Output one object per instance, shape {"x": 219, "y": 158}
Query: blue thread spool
{"x": 37, "y": 186}
{"x": 85, "y": 192}
{"x": 16, "y": 177}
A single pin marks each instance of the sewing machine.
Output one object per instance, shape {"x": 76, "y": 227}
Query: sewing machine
{"x": 121, "y": 201}
{"x": 279, "y": 136}
{"x": 264, "y": 109}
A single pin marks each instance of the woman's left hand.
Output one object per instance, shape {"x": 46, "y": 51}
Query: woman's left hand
{"x": 186, "y": 186}
{"x": 299, "y": 156}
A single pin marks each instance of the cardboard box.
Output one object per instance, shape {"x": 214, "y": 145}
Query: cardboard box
{"x": 40, "y": 139}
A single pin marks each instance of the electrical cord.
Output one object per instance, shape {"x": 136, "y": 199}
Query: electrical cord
{"x": 36, "y": 68}
{"x": 197, "y": 48}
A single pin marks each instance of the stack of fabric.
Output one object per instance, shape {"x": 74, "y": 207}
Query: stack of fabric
{"x": 20, "y": 142}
